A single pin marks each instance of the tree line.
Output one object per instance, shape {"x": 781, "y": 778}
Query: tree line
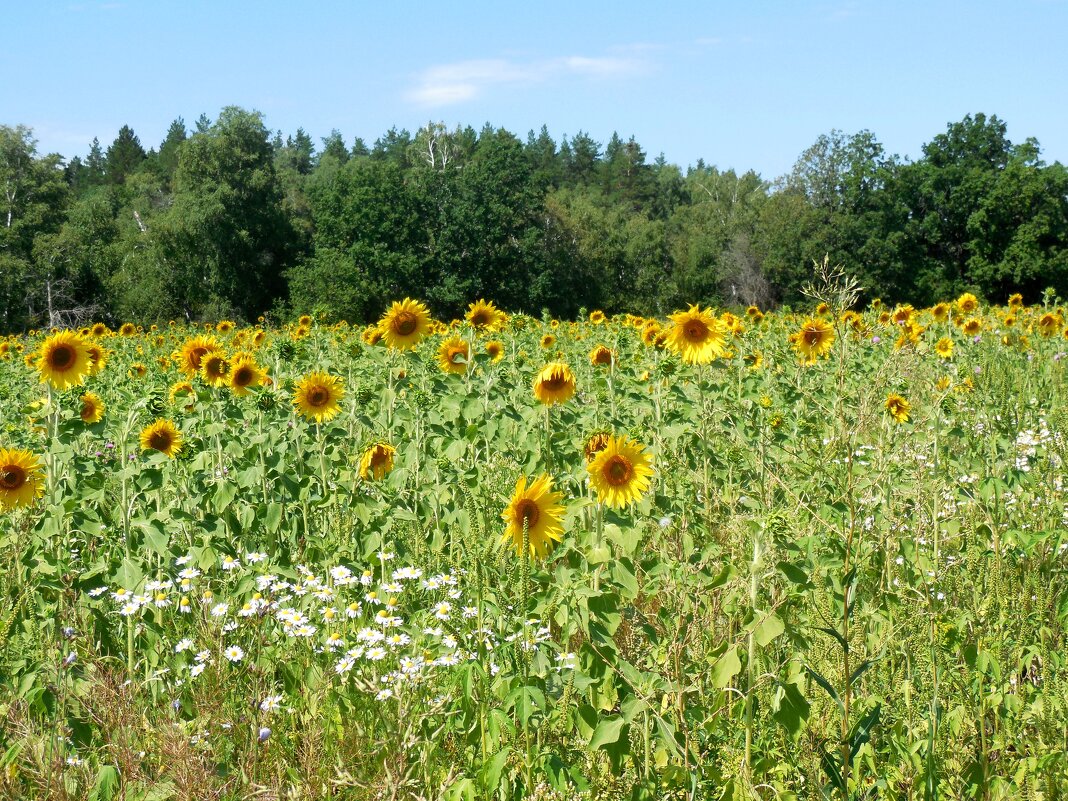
{"x": 228, "y": 219}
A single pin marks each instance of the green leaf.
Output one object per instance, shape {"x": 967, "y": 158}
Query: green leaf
{"x": 726, "y": 668}
{"x": 793, "y": 573}
{"x": 793, "y": 708}
{"x": 826, "y": 685}
{"x": 491, "y": 771}
{"x": 106, "y": 785}
{"x": 768, "y": 629}
{"x": 861, "y": 732}
{"x": 607, "y": 732}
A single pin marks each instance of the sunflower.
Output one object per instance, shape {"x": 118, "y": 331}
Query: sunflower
{"x": 20, "y": 478}
{"x": 482, "y": 314}
{"x": 1009, "y": 321}
{"x": 316, "y": 396}
{"x": 63, "y": 360}
{"x": 193, "y": 352}
{"x": 98, "y": 357}
{"x": 649, "y": 332}
{"x": 127, "y": 330}
{"x": 214, "y": 369}
{"x": 595, "y": 444}
{"x": 755, "y": 360}
{"x": 814, "y": 340}
{"x": 697, "y": 336}
{"x": 377, "y": 461}
{"x": 548, "y": 340}
{"x": 554, "y": 384}
{"x": 537, "y": 510}
{"x": 305, "y": 320}
{"x": 619, "y": 473}
{"x": 245, "y": 373}
{"x": 944, "y": 347}
{"x": 259, "y": 337}
{"x": 967, "y": 303}
{"x": 162, "y": 436}
{"x": 940, "y": 311}
{"x": 752, "y": 311}
{"x": 98, "y": 330}
{"x": 405, "y": 323}
{"x": 92, "y": 410}
{"x": 225, "y": 326}
{"x": 371, "y": 335}
{"x": 495, "y": 350}
{"x": 1015, "y": 300}
{"x": 454, "y": 355}
{"x": 597, "y": 317}
{"x": 944, "y": 383}
{"x": 137, "y": 370}
{"x": 823, "y": 309}
{"x": 898, "y": 407}
{"x": 602, "y": 356}
{"x": 902, "y": 314}
{"x": 884, "y": 318}
{"x": 972, "y": 326}
{"x": 184, "y": 389}
{"x": 1049, "y": 324}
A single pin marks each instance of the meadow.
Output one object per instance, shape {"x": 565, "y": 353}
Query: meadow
{"x": 805, "y": 554}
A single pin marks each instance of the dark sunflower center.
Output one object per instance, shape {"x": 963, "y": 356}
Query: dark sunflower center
{"x": 617, "y": 471}
{"x": 554, "y": 384}
{"x": 696, "y": 331}
{"x": 405, "y": 323}
{"x": 479, "y": 319}
{"x": 527, "y": 511}
{"x": 812, "y": 338}
{"x": 458, "y": 355}
{"x": 63, "y": 357}
{"x": 243, "y": 377}
{"x": 160, "y": 440}
{"x": 196, "y": 355}
{"x": 88, "y": 409}
{"x": 12, "y": 477}
{"x": 318, "y": 396}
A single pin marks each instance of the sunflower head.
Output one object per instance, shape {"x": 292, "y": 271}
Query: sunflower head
{"x": 602, "y": 356}
{"x": 454, "y": 355}
{"x": 595, "y": 444}
{"x": 92, "y": 410}
{"x": 127, "y": 330}
{"x": 305, "y": 320}
{"x": 1015, "y": 300}
{"x": 182, "y": 392}
{"x": 495, "y": 349}
{"x": 371, "y": 335}
{"x": 649, "y": 332}
{"x": 98, "y": 357}
{"x": 898, "y": 407}
{"x": 214, "y": 369}
{"x": 548, "y": 340}
{"x": 21, "y": 479}
{"x": 225, "y": 326}
{"x": 483, "y": 315}
{"x": 316, "y": 396}
{"x": 940, "y": 311}
{"x": 244, "y": 374}
{"x": 620, "y": 472}
{"x": 596, "y": 316}
{"x": 194, "y": 350}
{"x": 555, "y": 383}
{"x": 98, "y": 330}
{"x": 944, "y": 348}
{"x": 814, "y": 340}
{"x": 377, "y": 461}
{"x": 405, "y": 324}
{"x": 534, "y": 512}
{"x": 697, "y": 336}
{"x": 972, "y": 326}
{"x": 967, "y": 303}
{"x": 63, "y": 360}
{"x": 162, "y": 436}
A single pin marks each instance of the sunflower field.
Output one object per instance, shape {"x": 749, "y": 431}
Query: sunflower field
{"x": 748, "y": 555}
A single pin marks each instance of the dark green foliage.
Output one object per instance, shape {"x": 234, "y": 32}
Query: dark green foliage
{"x": 232, "y": 219}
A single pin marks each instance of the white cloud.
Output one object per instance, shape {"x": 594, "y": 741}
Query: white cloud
{"x": 447, "y": 84}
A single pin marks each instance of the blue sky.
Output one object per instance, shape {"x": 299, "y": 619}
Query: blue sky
{"x": 740, "y": 84}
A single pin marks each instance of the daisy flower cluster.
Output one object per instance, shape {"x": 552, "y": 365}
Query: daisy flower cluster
{"x": 386, "y": 627}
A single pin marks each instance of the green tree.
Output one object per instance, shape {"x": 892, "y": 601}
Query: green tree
{"x": 124, "y": 156}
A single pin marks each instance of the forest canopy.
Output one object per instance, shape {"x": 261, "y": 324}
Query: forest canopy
{"x": 230, "y": 219}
